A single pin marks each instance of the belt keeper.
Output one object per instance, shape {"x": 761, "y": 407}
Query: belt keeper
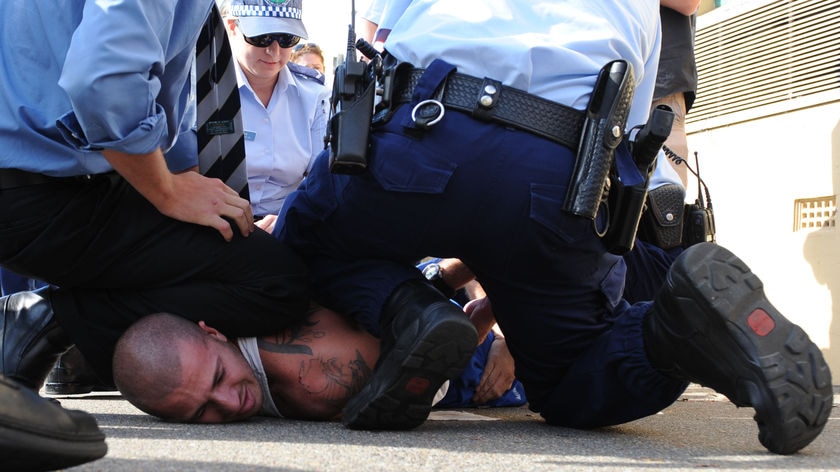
{"x": 488, "y": 96}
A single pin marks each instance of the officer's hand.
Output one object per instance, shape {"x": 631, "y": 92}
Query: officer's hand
{"x": 208, "y": 202}
{"x": 187, "y": 196}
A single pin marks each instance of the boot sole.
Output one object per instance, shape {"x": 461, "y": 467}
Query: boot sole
{"x": 743, "y": 347}
{"x": 400, "y": 393}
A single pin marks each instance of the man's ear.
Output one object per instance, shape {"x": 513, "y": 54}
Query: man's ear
{"x": 213, "y": 332}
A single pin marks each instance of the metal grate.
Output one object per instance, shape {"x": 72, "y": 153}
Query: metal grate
{"x": 815, "y": 213}
{"x": 770, "y": 55}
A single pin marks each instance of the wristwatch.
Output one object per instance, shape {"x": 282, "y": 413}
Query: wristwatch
{"x": 434, "y": 274}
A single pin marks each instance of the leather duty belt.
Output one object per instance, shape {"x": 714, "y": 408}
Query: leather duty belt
{"x": 489, "y": 100}
{"x": 15, "y": 178}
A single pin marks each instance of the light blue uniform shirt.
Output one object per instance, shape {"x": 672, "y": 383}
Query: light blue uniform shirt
{"x": 553, "y": 49}
{"x": 282, "y": 139}
{"x": 115, "y": 72}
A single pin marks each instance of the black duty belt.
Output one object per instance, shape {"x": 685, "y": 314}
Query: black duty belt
{"x": 489, "y": 100}
{"x": 14, "y": 178}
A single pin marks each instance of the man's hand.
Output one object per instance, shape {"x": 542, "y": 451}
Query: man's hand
{"x": 188, "y": 196}
{"x": 498, "y": 375}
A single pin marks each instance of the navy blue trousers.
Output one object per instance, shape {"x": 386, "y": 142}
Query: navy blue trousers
{"x": 491, "y": 196}
{"x": 647, "y": 266}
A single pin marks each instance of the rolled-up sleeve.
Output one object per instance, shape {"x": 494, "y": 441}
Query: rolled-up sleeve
{"x": 181, "y": 156}
{"x": 112, "y": 75}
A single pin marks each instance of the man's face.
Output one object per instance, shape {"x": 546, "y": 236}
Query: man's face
{"x": 217, "y": 384}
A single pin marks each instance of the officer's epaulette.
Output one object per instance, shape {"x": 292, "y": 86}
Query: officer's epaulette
{"x": 306, "y": 72}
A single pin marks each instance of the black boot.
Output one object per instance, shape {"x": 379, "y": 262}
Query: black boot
{"x": 37, "y": 434}
{"x": 32, "y": 338}
{"x": 426, "y": 340}
{"x": 73, "y": 375}
{"x": 712, "y": 324}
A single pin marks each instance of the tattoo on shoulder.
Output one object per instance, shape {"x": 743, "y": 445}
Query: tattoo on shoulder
{"x": 292, "y": 340}
{"x": 338, "y": 379}
{"x": 361, "y": 373}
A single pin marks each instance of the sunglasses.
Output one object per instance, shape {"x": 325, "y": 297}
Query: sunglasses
{"x": 285, "y": 40}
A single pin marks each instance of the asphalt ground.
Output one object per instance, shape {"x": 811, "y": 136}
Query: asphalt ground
{"x": 701, "y": 431}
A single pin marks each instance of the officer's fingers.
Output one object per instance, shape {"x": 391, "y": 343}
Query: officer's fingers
{"x": 239, "y": 210}
{"x": 223, "y": 227}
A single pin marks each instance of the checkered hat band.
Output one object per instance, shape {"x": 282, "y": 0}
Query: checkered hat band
{"x": 261, "y": 10}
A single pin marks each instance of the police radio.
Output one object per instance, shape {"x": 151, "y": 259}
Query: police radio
{"x": 351, "y": 104}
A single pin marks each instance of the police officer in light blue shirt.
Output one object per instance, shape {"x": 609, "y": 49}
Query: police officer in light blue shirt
{"x": 72, "y": 74}
{"x": 92, "y": 94}
{"x": 499, "y": 40}
{"x": 480, "y": 151}
{"x": 283, "y": 104}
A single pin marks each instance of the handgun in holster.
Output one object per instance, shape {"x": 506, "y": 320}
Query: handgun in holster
{"x": 628, "y": 187}
{"x": 352, "y": 101}
{"x": 603, "y": 130}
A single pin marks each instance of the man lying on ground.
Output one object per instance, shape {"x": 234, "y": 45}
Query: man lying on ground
{"x": 181, "y": 371}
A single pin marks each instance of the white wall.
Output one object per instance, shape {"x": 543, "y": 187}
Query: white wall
{"x": 755, "y": 171}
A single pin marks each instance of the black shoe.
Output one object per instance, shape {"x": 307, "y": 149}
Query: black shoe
{"x": 73, "y": 375}
{"x": 426, "y": 340}
{"x": 712, "y": 324}
{"x": 32, "y": 338}
{"x": 37, "y": 434}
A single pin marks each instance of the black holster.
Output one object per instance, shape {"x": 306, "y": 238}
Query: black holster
{"x": 603, "y": 130}
{"x": 629, "y": 180}
{"x": 625, "y": 203}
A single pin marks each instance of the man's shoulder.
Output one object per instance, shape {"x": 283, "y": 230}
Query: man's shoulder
{"x": 306, "y": 74}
